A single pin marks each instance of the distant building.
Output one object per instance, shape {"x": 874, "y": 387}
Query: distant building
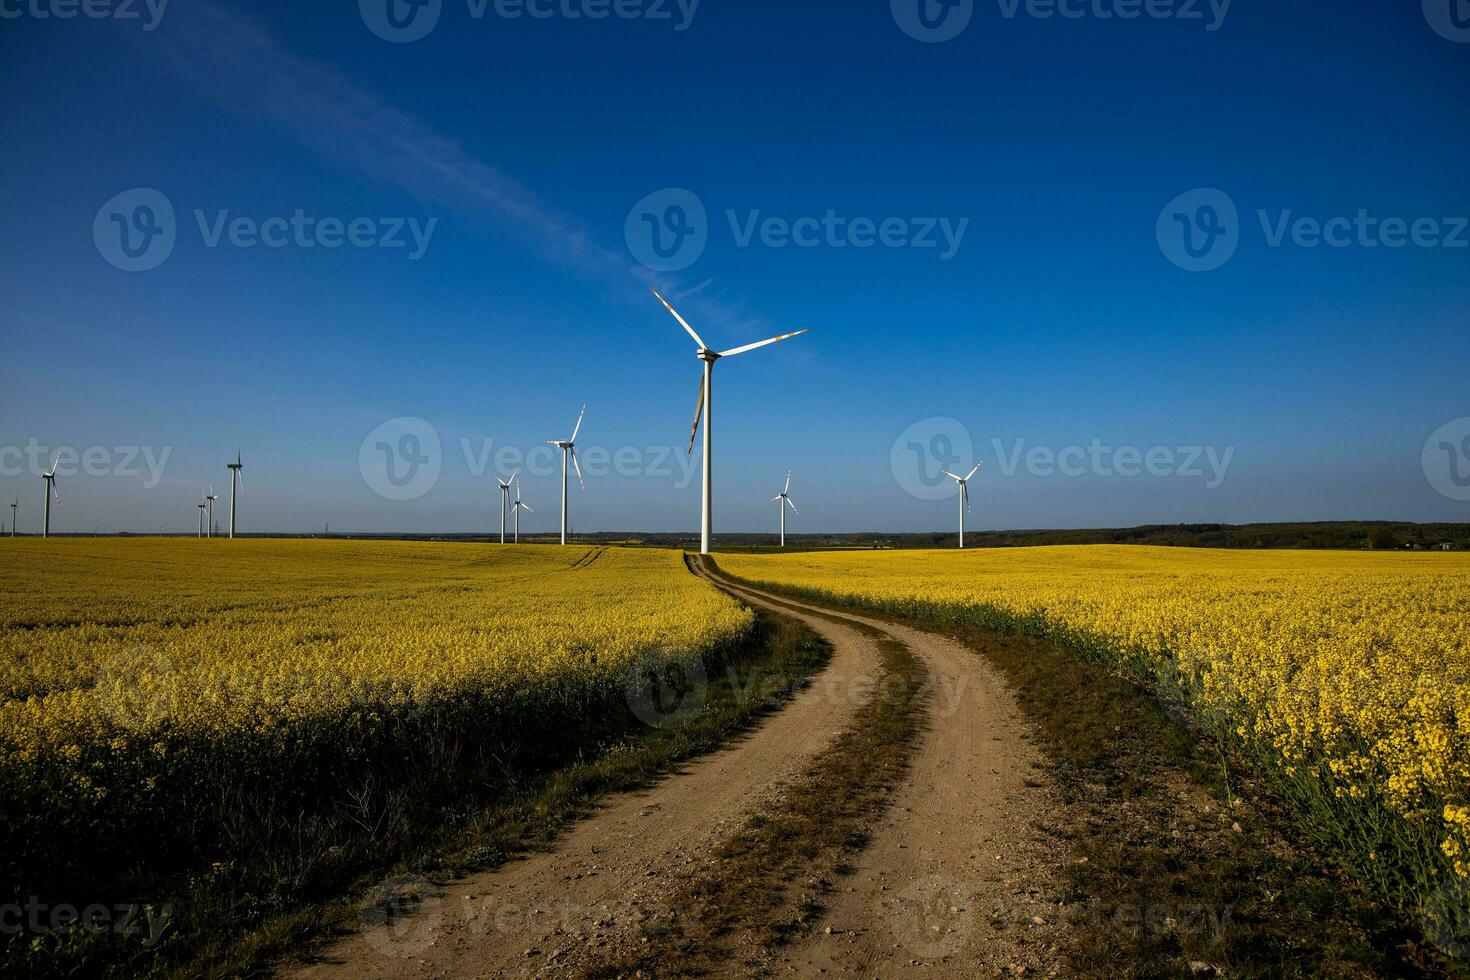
{"x": 1446, "y": 546}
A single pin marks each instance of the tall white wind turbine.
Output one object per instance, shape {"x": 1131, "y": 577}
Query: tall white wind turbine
{"x": 568, "y": 449}
{"x": 14, "y": 512}
{"x": 201, "y": 519}
{"x": 50, "y": 479}
{"x": 784, "y": 501}
{"x": 703, "y": 409}
{"x": 964, "y": 482}
{"x": 505, "y": 499}
{"x": 516, "y": 507}
{"x": 237, "y": 480}
{"x": 210, "y": 500}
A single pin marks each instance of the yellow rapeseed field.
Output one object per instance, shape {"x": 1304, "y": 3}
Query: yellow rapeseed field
{"x": 1346, "y": 670}
{"x": 143, "y": 682}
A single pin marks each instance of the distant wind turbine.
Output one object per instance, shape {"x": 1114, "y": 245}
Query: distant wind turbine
{"x": 210, "y": 500}
{"x": 964, "y": 482}
{"x": 14, "y": 510}
{"x": 568, "y": 449}
{"x": 516, "y": 508}
{"x": 201, "y": 519}
{"x": 505, "y": 499}
{"x": 50, "y": 479}
{"x": 704, "y": 409}
{"x": 237, "y": 481}
{"x": 785, "y": 501}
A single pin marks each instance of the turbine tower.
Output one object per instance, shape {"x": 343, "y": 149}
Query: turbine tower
{"x": 704, "y": 409}
{"x": 568, "y": 449}
{"x": 505, "y": 499}
{"x": 964, "y": 482}
{"x": 201, "y": 519}
{"x": 237, "y": 480}
{"x": 210, "y": 499}
{"x": 785, "y": 500}
{"x": 50, "y": 479}
{"x": 14, "y": 511}
{"x": 516, "y": 508}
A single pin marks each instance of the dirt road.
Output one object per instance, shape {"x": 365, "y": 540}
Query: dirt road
{"x": 954, "y": 880}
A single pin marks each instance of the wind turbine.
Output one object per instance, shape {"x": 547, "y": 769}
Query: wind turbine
{"x": 50, "y": 479}
{"x": 14, "y": 510}
{"x": 964, "y": 482}
{"x": 785, "y": 500}
{"x": 568, "y": 449}
{"x": 703, "y": 409}
{"x": 210, "y": 500}
{"x": 516, "y": 508}
{"x": 505, "y": 498}
{"x": 201, "y": 519}
{"x": 237, "y": 480}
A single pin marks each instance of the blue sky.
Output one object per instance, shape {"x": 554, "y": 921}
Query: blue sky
{"x": 1313, "y": 376}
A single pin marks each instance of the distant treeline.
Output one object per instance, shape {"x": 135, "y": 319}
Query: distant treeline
{"x": 1326, "y": 534}
{"x": 1350, "y": 535}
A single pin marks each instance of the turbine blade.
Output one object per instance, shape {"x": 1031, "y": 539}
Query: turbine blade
{"x": 965, "y": 492}
{"x": 513, "y": 474}
{"x": 951, "y": 475}
{"x": 974, "y": 471}
{"x": 682, "y": 322}
{"x": 787, "y": 488}
{"x": 698, "y": 413}
{"x": 778, "y": 496}
{"x": 578, "y": 467}
{"x": 759, "y": 343}
{"x": 793, "y": 506}
{"x": 528, "y": 507}
{"x": 55, "y": 463}
{"x": 578, "y": 427}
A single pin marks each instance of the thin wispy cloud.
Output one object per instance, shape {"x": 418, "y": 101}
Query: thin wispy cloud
{"x": 242, "y": 66}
